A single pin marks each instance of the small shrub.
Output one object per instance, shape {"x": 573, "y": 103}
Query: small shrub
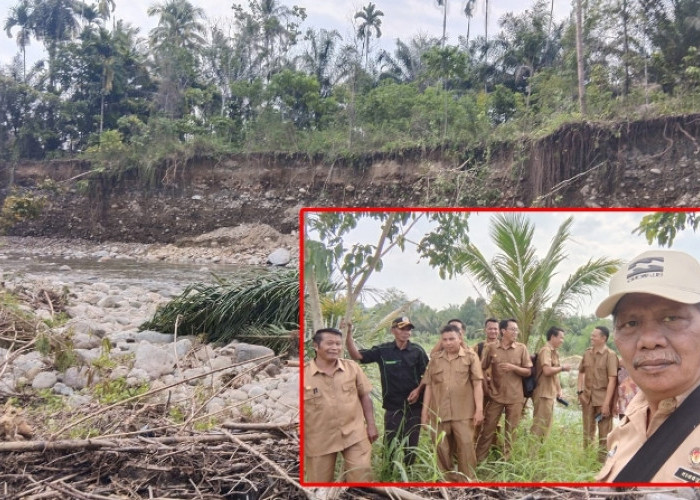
{"x": 16, "y": 209}
{"x": 114, "y": 391}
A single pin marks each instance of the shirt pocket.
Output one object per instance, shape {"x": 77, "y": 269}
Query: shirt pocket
{"x": 349, "y": 388}
{"x": 462, "y": 371}
{"x": 438, "y": 376}
{"x": 312, "y": 397}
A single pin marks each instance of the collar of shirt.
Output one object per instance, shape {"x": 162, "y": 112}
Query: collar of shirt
{"x": 638, "y": 406}
{"x": 315, "y": 369}
{"x": 602, "y": 349}
{"x": 512, "y": 346}
{"x": 443, "y": 354}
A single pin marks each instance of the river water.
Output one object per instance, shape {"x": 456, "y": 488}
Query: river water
{"x": 120, "y": 273}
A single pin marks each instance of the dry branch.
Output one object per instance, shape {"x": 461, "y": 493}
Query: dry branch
{"x": 280, "y": 471}
{"x": 121, "y": 444}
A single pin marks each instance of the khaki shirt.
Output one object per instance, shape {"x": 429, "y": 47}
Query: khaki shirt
{"x": 624, "y": 441}
{"x": 547, "y": 385}
{"x": 333, "y": 417}
{"x": 506, "y": 387}
{"x": 450, "y": 381}
{"x": 598, "y": 367}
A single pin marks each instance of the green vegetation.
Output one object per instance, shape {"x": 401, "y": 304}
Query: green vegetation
{"x": 109, "y": 391}
{"x": 17, "y": 209}
{"x": 227, "y": 310}
{"x": 60, "y": 348}
{"x": 519, "y": 282}
{"x": 263, "y": 80}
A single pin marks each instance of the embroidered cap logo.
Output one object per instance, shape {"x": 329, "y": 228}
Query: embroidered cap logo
{"x": 648, "y": 267}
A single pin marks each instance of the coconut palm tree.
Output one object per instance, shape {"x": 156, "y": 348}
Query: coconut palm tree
{"x": 21, "y": 16}
{"x": 406, "y": 63}
{"x": 54, "y": 22}
{"x": 319, "y": 56}
{"x": 370, "y": 24}
{"x": 177, "y": 42}
{"x": 520, "y": 284}
{"x": 469, "y": 7}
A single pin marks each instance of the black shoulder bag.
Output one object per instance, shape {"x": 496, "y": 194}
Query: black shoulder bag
{"x": 667, "y": 438}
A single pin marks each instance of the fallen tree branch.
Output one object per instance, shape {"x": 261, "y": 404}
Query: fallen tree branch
{"x": 259, "y": 426}
{"x": 122, "y": 444}
{"x": 277, "y": 468}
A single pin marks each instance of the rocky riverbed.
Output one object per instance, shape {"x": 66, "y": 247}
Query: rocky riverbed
{"x": 105, "y": 308}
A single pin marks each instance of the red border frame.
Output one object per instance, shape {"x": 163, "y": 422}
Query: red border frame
{"x": 305, "y": 210}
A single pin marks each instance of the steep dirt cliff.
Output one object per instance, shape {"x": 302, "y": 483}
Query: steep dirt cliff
{"x": 647, "y": 163}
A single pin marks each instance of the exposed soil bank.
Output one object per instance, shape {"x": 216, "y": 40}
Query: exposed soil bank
{"x": 647, "y": 163}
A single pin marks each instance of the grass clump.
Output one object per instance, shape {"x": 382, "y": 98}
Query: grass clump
{"x": 116, "y": 390}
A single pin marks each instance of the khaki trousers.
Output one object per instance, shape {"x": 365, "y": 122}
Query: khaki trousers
{"x": 457, "y": 443}
{"x": 357, "y": 467}
{"x": 492, "y": 415}
{"x": 542, "y": 416}
{"x": 589, "y": 428}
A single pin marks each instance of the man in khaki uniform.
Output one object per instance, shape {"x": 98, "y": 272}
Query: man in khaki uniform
{"x": 548, "y": 387}
{"x": 337, "y": 405}
{"x": 655, "y": 303}
{"x": 453, "y": 391}
{"x": 509, "y": 362}
{"x": 597, "y": 385}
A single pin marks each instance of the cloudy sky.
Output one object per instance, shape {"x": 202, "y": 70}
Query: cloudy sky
{"x": 594, "y": 234}
{"x": 402, "y": 18}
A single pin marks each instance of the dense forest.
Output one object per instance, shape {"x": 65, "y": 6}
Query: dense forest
{"x": 260, "y": 80}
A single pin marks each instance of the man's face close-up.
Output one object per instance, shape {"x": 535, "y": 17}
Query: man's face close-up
{"x": 510, "y": 334}
{"x": 558, "y": 340}
{"x": 597, "y": 339}
{"x": 401, "y": 334}
{"x": 659, "y": 341}
{"x": 491, "y": 331}
{"x": 450, "y": 342}
{"x": 330, "y": 348}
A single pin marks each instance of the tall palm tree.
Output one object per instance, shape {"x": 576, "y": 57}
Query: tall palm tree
{"x": 106, "y": 10}
{"x": 406, "y": 63}
{"x": 469, "y": 7}
{"x": 179, "y": 24}
{"x": 318, "y": 57}
{"x": 21, "y": 16}
{"x": 443, "y": 4}
{"x": 520, "y": 283}
{"x": 54, "y": 22}
{"x": 370, "y": 24}
{"x": 176, "y": 42}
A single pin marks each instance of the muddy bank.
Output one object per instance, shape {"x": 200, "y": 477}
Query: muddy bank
{"x": 643, "y": 163}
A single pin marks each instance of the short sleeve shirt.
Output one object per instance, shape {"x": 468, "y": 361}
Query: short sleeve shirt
{"x": 400, "y": 371}
{"x": 546, "y": 384}
{"x": 598, "y": 366}
{"x": 507, "y": 387}
{"x": 625, "y": 440}
{"x": 450, "y": 382}
{"x": 333, "y": 417}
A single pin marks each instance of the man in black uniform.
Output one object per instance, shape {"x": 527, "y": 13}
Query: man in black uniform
{"x": 401, "y": 367}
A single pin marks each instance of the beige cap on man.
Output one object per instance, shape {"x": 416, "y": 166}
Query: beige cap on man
{"x": 666, "y": 273}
